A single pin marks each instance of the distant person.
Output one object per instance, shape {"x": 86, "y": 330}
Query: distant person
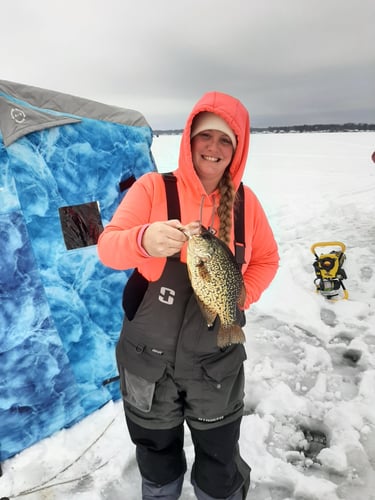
{"x": 172, "y": 370}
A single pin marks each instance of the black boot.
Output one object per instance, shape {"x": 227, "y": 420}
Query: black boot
{"x": 169, "y": 491}
{"x": 201, "y": 495}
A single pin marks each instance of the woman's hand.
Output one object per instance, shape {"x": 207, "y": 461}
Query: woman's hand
{"x": 163, "y": 239}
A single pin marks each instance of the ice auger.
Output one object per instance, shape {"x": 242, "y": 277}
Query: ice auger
{"x": 329, "y": 271}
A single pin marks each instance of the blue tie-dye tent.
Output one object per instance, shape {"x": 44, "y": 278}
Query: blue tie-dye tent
{"x": 65, "y": 164}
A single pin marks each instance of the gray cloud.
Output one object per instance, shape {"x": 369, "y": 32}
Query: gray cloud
{"x": 295, "y": 61}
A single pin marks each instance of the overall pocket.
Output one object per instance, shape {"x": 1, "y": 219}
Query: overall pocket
{"x": 226, "y": 364}
{"x": 139, "y": 372}
{"x": 218, "y": 396}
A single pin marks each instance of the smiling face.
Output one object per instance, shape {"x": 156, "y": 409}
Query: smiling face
{"x": 212, "y": 151}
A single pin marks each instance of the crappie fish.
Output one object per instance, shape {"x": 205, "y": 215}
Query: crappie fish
{"x": 217, "y": 283}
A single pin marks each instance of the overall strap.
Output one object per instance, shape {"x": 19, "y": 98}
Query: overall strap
{"x": 173, "y": 204}
{"x": 239, "y": 226}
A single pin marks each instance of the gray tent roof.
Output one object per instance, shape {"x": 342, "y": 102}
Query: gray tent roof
{"x": 25, "y": 109}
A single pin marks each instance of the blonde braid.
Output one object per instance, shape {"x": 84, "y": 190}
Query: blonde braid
{"x": 227, "y": 196}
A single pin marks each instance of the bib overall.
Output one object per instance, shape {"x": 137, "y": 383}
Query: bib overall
{"x": 171, "y": 372}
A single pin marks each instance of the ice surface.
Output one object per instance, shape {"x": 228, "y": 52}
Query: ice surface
{"x": 309, "y": 426}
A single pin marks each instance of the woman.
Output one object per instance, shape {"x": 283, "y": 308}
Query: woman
{"x": 171, "y": 369}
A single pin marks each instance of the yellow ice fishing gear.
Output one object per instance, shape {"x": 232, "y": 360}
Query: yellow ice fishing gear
{"x": 329, "y": 271}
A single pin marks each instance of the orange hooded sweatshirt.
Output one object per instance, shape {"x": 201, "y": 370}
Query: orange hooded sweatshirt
{"x": 145, "y": 202}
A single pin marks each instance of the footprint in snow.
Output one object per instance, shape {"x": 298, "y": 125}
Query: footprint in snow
{"x": 328, "y": 317}
{"x": 366, "y": 273}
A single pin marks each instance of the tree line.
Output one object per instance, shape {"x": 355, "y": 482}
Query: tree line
{"x": 333, "y": 127}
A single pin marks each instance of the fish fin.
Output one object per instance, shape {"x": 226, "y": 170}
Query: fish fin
{"x": 232, "y": 334}
{"x": 242, "y": 296}
{"x": 203, "y": 272}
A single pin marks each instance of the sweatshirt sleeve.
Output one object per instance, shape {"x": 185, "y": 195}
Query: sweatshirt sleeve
{"x": 264, "y": 259}
{"x": 118, "y": 244}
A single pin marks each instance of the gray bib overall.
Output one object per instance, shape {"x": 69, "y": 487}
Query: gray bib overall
{"x": 171, "y": 370}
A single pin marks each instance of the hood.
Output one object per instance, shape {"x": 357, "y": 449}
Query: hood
{"x": 236, "y": 115}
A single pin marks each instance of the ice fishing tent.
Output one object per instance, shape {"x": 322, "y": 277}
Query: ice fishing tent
{"x": 65, "y": 164}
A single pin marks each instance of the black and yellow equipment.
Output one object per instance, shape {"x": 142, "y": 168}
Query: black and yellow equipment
{"x": 329, "y": 271}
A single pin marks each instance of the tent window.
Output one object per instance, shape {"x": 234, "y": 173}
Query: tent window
{"x": 81, "y": 225}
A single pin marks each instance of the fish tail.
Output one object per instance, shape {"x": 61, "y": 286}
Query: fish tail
{"x": 232, "y": 334}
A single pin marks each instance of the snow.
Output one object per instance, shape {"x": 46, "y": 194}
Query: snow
{"x": 309, "y": 425}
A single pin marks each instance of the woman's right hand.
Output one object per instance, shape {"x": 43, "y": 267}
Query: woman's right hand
{"x": 163, "y": 239}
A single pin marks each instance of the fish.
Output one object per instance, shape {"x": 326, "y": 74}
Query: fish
{"x": 217, "y": 283}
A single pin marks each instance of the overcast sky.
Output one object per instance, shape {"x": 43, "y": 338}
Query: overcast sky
{"x": 289, "y": 61}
